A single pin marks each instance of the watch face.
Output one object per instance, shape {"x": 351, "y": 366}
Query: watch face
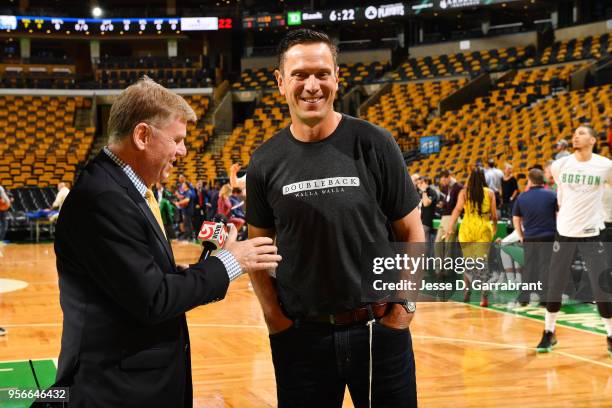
{"x": 410, "y": 307}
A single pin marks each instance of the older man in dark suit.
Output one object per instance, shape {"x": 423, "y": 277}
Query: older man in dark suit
{"x": 125, "y": 340}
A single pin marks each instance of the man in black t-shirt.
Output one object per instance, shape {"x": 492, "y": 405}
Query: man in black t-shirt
{"x": 325, "y": 187}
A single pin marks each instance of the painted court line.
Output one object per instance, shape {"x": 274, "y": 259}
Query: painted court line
{"x": 504, "y": 345}
{"x": 510, "y": 312}
{"x": 21, "y": 361}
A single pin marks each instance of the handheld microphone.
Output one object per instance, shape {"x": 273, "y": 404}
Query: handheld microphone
{"x": 213, "y": 235}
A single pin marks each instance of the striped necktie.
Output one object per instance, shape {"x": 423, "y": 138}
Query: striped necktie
{"x": 155, "y": 209}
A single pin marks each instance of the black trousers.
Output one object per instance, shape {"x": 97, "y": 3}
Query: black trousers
{"x": 314, "y": 362}
{"x": 537, "y": 262}
{"x": 594, "y": 254}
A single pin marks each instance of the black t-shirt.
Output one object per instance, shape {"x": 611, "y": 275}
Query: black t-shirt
{"x": 450, "y": 201}
{"x": 508, "y": 188}
{"x": 327, "y": 199}
{"x": 428, "y": 213}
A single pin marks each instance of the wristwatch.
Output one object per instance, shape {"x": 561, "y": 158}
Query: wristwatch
{"x": 409, "y": 306}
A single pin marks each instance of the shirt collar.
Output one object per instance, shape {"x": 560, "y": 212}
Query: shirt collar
{"x": 127, "y": 169}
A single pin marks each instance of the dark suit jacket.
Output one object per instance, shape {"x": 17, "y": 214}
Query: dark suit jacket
{"x": 125, "y": 341}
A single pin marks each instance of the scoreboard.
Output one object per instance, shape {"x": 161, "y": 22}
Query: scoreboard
{"x": 263, "y": 20}
{"x": 174, "y": 25}
{"x": 362, "y": 13}
{"x": 96, "y": 26}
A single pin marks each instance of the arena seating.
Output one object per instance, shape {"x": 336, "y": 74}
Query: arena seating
{"x": 46, "y": 73}
{"x": 356, "y": 74}
{"x": 554, "y": 77}
{"x": 523, "y": 137}
{"x": 408, "y": 106}
{"x": 465, "y": 63}
{"x": 170, "y": 78}
{"x": 29, "y": 199}
{"x": 109, "y": 73}
{"x": 45, "y": 80}
{"x": 148, "y": 62}
{"x": 270, "y": 115}
{"x": 186, "y": 72}
{"x": 573, "y": 50}
{"x": 251, "y": 79}
{"x": 41, "y": 145}
{"x": 408, "y": 111}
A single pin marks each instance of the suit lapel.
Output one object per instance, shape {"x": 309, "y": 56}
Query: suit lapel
{"x": 123, "y": 180}
{"x": 144, "y": 207}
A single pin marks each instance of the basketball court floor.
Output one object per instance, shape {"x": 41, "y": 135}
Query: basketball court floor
{"x": 466, "y": 356}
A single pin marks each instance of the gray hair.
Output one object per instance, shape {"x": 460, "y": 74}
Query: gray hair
{"x": 145, "y": 101}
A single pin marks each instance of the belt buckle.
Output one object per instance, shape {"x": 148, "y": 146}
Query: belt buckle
{"x": 332, "y": 319}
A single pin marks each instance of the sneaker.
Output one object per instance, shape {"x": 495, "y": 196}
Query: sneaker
{"x": 484, "y": 301}
{"x": 549, "y": 340}
{"x": 3, "y": 332}
{"x": 610, "y": 346}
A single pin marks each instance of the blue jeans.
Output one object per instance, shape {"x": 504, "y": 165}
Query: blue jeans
{"x": 3, "y": 224}
{"x": 313, "y": 363}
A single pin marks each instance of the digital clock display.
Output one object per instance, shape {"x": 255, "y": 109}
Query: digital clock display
{"x": 363, "y": 13}
{"x": 341, "y": 15}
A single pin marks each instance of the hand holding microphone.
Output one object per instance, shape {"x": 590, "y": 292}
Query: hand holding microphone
{"x": 213, "y": 235}
{"x": 256, "y": 254}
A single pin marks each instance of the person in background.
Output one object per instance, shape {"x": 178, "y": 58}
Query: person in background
{"x": 493, "y": 177}
{"x": 429, "y": 200}
{"x": 509, "y": 191}
{"x": 214, "y": 199}
{"x": 549, "y": 180}
{"x": 62, "y": 192}
{"x": 478, "y": 227}
{"x": 445, "y": 238}
{"x": 581, "y": 178}
{"x": 166, "y": 208}
{"x": 224, "y": 206}
{"x": 561, "y": 148}
{"x": 237, "y": 200}
{"x": 534, "y": 218}
{"x": 235, "y": 181}
{"x": 607, "y": 233}
{"x": 182, "y": 180}
{"x": 5, "y": 205}
{"x": 186, "y": 203}
{"x": 608, "y": 123}
{"x": 159, "y": 191}
{"x": 201, "y": 204}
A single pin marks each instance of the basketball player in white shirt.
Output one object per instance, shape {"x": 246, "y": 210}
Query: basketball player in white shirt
{"x": 581, "y": 179}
